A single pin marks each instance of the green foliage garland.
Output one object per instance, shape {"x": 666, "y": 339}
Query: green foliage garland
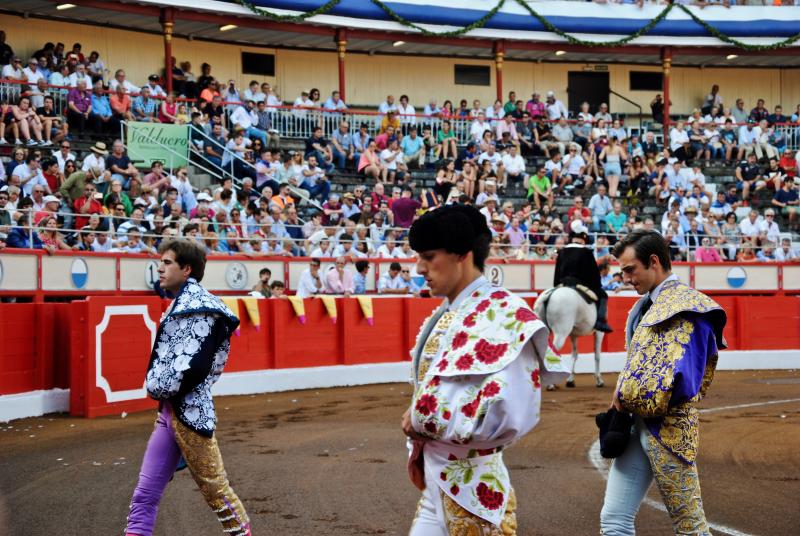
{"x": 321, "y": 10}
{"x": 735, "y": 42}
{"x": 481, "y": 22}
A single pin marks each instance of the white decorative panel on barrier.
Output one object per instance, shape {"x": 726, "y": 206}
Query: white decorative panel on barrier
{"x": 683, "y": 272}
{"x": 137, "y": 274}
{"x": 79, "y": 273}
{"x": 510, "y": 276}
{"x": 237, "y": 274}
{"x": 543, "y": 275}
{"x": 791, "y": 277}
{"x": 18, "y": 272}
{"x": 90, "y": 273}
{"x": 736, "y": 277}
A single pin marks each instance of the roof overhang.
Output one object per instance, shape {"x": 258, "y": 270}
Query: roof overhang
{"x": 202, "y": 19}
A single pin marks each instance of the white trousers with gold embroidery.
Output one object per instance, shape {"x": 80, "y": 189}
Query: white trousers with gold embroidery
{"x": 438, "y": 515}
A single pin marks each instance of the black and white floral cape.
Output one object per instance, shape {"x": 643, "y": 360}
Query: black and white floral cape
{"x": 190, "y": 352}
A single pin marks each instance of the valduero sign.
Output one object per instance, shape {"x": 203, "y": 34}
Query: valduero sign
{"x": 156, "y": 141}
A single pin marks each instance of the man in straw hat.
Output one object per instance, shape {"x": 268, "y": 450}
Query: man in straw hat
{"x": 96, "y": 157}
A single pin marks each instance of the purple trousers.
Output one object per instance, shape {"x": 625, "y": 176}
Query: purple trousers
{"x": 169, "y": 440}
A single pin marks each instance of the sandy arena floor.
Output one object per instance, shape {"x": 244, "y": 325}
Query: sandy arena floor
{"x": 332, "y": 462}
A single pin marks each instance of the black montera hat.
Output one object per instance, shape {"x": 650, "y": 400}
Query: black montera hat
{"x": 453, "y": 228}
{"x": 578, "y": 234}
{"x": 615, "y": 432}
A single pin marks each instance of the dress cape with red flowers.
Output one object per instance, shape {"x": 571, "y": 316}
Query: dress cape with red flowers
{"x": 490, "y": 328}
{"x": 477, "y": 377}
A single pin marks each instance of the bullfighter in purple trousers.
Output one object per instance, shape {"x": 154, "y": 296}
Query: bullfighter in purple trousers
{"x": 190, "y": 351}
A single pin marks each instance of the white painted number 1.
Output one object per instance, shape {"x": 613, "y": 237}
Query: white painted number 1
{"x": 151, "y": 273}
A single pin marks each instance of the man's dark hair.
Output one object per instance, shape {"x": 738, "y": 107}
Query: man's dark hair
{"x": 395, "y": 266}
{"x": 31, "y": 157}
{"x": 645, "y": 244}
{"x": 276, "y": 284}
{"x": 344, "y": 237}
{"x": 187, "y": 252}
{"x": 264, "y": 271}
{"x": 362, "y": 266}
{"x": 189, "y": 227}
{"x": 225, "y": 195}
{"x": 317, "y": 261}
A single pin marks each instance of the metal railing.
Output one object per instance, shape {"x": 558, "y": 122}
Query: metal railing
{"x": 626, "y": 99}
{"x": 291, "y": 125}
{"x": 299, "y": 123}
{"x": 245, "y": 234}
{"x": 228, "y": 170}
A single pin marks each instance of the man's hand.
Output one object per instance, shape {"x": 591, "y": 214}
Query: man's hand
{"x": 408, "y": 429}
{"x": 615, "y": 401}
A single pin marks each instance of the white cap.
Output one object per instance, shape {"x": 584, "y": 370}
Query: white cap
{"x": 50, "y": 199}
{"x": 577, "y": 226}
{"x": 202, "y": 196}
{"x": 550, "y": 94}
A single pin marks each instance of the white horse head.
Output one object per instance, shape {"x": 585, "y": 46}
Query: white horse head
{"x": 567, "y": 314}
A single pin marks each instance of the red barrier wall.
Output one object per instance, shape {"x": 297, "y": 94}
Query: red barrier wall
{"x": 62, "y": 345}
{"x": 34, "y": 342}
{"x": 251, "y": 346}
{"x": 111, "y": 343}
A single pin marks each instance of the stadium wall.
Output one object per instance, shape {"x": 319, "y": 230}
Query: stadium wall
{"x": 89, "y": 357}
{"x": 370, "y": 78}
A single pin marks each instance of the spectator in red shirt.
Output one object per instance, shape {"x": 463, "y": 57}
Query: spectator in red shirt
{"x": 87, "y": 204}
{"x": 789, "y": 163}
{"x": 332, "y": 211}
{"x": 378, "y": 195}
{"x": 585, "y": 213}
{"x": 120, "y": 103}
{"x": 405, "y": 208}
{"x": 52, "y": 175}
{"x": 49, "y": 209}
{"x": 382, "y": 140}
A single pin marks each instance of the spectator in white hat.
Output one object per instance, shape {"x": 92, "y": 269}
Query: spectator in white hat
{"x": 50, "y": 206}
{"x": 767, "y": 228}
{"x": 555, "y": 108}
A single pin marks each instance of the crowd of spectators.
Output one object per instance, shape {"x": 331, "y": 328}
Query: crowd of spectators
{"x": 104, "y": 203}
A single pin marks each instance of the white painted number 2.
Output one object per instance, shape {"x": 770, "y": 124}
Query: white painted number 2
{"x": 495, "y": 275}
